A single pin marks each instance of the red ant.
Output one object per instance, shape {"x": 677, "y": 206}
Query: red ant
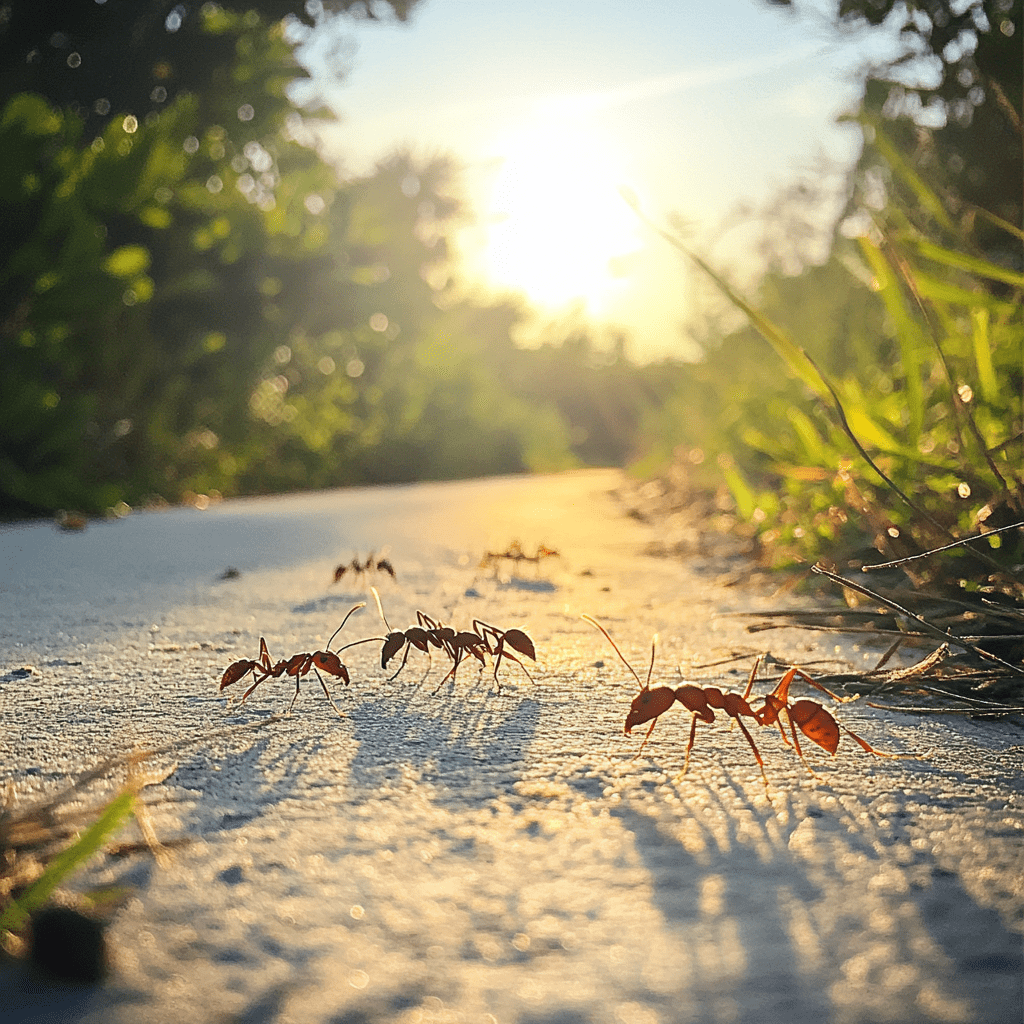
{"x": 515, "y": 554}
{"x": 297, "y": 666}
{"x": 502, "y": 638}
{"x": 362, "y": 568}
{"x": 702, "y": 702}
{"x": 817, "y": 724}
{"x": 240, "y": 669}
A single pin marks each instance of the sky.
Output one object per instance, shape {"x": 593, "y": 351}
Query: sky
{"x": 698, "y": 108}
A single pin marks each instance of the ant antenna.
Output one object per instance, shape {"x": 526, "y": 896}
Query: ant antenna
{"x": 354, "y": 608}
{"x": 654, "y": 646}
{"x": 594, "y": 622}
{"x": 380, "y": 608}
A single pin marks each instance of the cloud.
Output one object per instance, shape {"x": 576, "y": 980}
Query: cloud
{"x": 679, "y": 81}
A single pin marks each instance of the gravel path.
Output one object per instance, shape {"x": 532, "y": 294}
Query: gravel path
{"x": 482, "y": 856}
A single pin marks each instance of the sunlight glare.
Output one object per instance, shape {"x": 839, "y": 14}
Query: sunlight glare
{"x": 560, "y": 231}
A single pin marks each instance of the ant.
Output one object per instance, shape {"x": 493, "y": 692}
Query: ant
{"x": 482, "y": 639}
{"x": 297, "y": 666}
{"x": 702, "y": 703}
{"x": 817, "y": 724}
{"x": 515, "y": 554}
{"x": 502, "y": 638}
{"x": 427, "y": 634}
{"x": 486, "y": 638}
{"x": 372, "y": 564}
{"x": 457, "y": 645}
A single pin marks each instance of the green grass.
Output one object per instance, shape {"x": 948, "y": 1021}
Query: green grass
{"x": 893, "y": 431}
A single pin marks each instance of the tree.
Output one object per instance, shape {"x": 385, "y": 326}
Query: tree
{"x": 952, "y": 104}
{"x": 156, "y": 238}
{"x": 100, "y": 59}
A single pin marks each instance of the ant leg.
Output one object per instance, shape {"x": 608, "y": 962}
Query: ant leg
{"x": 689, "y": 746}
{"x": 327, "y": 694}
{"x": 405, "y": 658}
{"x": 295, "y": 698}
{"x": 824, "y": 689}
{"x": 504, "y": 654}
{"x": 796, "y": 743}
{"x": 646, "y": 738}
{"x": 253, "y": 687}
{"x": 757, "y": 753}
{"x": 450, "y": 675}
{"x": 871, "y": 750}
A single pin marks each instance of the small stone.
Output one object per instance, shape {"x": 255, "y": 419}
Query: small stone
{"x": 68, "y": 946}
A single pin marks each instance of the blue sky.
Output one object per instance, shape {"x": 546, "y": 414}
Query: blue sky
{"x": 696, "y": 106}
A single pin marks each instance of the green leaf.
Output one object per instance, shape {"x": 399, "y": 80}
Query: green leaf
{"x": 938, "y": 290}
{"x": 33, "y": 113}
{"x": 983, "y": 356}
{"x": 127, "y": 261}
{"x": 16, "y": 914}
{"x": 974, "y": 265}
{"x": 909, "y": 334}
{"x": 738, "y": 487}
{"x": 903, "y": 169}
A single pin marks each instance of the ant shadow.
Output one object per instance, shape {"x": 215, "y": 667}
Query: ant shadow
{"x": 467, "y": 742}
{"x": 233, "y": 791}
{"x": 531, "y": 586}
{"x": 772, "y": 890}
{"x": 341, "y": 597}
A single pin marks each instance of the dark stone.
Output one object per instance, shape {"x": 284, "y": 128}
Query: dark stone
{"x": 69, "y": 946}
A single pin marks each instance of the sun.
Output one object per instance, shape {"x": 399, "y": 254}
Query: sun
{"x": 559, "y": 230}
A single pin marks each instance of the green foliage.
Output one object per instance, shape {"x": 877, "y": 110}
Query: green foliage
{"x": 947, "y": 108}
{"x": 194, "y": 303}
{"x": 14, "y": 915}
{"x": 135, "y": 284}
{"x": 901, "y": 418}
{"x": 104, "y": 60}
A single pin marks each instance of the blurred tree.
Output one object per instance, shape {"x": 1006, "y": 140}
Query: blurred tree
{"x": 192, "y": 300}
{"x": 952, "y": 103}
{"x": 386, "y": 375}
{"x": 149, "y": 264}
{"x": 109, "y": 57}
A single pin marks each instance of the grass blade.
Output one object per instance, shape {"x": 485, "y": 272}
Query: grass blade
{"x": 16, "y": 914}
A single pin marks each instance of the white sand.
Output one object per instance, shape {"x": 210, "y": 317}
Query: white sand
{"x": 479, "y": 857}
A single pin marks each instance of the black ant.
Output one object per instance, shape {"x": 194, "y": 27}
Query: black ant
{"x": 502, "y": 638}
{"x": 480, "y": 640}
{"x": 515, "y": 554}
{"x": 361, "y": 569}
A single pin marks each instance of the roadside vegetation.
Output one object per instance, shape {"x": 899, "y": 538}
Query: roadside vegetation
{"x": 195, "y": 304}
{"x": 893, "y": 443}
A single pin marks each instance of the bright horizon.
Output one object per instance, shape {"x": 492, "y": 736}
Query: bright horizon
{"x": 695, "y": 108}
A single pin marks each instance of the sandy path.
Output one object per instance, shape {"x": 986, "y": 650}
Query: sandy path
{"x": 474, "y": 856}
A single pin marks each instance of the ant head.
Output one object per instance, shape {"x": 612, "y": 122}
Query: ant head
{"x": 393, "y": 643}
